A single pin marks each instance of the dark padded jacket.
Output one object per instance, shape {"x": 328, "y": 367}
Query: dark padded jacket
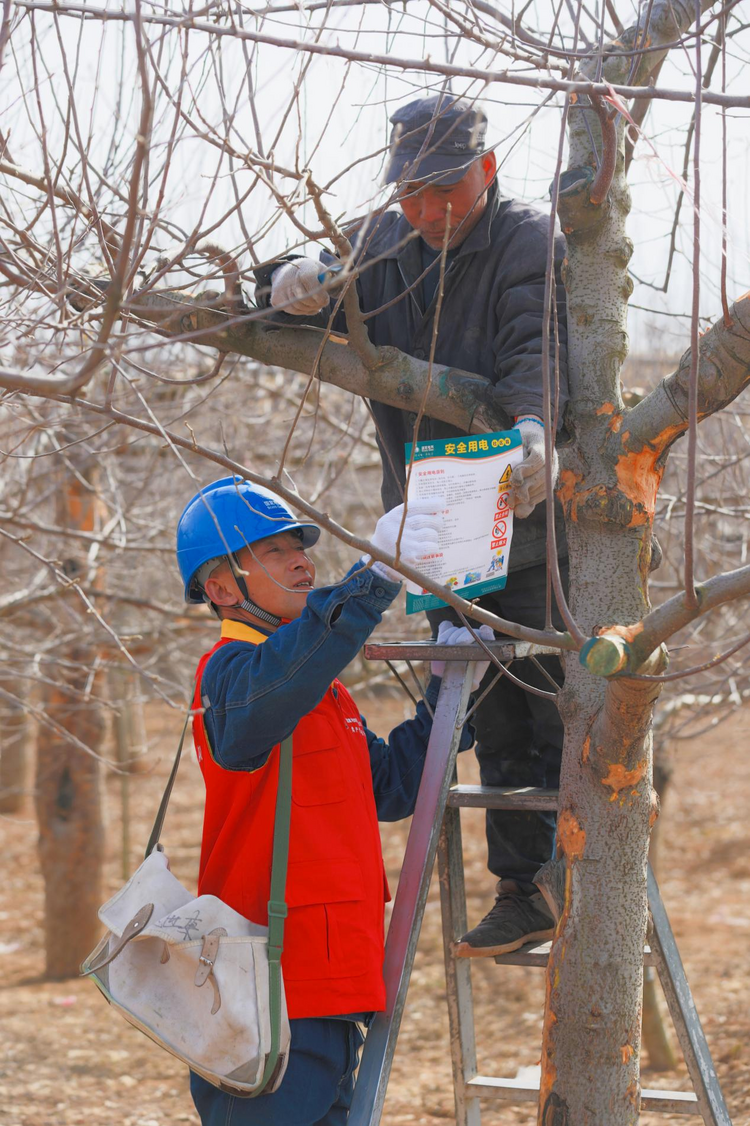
{"x": 490, "y": 324}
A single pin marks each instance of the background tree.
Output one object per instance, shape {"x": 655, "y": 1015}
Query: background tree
{"x": 68, "y": 795}
{"x": 108, "y": 233}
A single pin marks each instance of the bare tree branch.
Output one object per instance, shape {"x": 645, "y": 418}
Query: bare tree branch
{"x": 723, "y": 374}
{"x": 426, "y": 65}
{"x": 461, "y": 398}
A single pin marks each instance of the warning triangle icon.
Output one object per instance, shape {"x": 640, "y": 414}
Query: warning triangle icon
{"x": 506, "y": 476}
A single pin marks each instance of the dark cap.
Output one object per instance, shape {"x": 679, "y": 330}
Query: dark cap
{"x": 435, "y": 138}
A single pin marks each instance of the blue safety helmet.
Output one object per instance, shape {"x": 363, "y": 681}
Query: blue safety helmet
{"x": 225, "y": 517}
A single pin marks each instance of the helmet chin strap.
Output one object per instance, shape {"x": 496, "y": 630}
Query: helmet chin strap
{"x": 270, "y": 619}
{"x": 247, "y": 604}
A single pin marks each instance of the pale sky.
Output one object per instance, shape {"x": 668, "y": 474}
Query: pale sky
{"x": 340, "y": 126}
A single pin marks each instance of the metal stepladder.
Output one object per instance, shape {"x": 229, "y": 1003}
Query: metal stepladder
{"x": 436, "y": 831}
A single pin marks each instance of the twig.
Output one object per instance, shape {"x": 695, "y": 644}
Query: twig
{"x": 691, "y": 596}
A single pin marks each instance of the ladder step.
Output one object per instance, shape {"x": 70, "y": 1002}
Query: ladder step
{"x": 537, "y": 954}
{"x": 502, "y": 797}
{"x": 519, "y": 1091}
{"x": 507, "y": 650}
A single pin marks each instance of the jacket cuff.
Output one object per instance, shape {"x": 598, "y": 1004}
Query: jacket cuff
{"x": 526, "y": 409}
{"x": 361, "y": 581}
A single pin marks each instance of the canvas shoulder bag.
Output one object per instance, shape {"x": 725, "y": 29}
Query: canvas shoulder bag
{"x": 192, "y": 973}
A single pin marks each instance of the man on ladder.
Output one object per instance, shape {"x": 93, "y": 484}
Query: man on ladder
{"x": 273, "y": 671}
{"x": 490, "y": 323}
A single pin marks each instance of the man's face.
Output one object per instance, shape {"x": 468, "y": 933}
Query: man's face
{"x": 279, "y": 576}
{"x": 425, "y": 205}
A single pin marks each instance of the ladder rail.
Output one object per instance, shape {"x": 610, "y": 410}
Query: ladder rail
{"x": 507, "y": 650}
{"x": 684, "y": 1014}
{"x": 457, "y": 970}
{"x": 411, "y": 896}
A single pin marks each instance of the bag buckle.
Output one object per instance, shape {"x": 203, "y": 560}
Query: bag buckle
{"x": 206, "y": 961}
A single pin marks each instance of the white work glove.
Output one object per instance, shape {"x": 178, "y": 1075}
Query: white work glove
{"x": 419, "y": 537}
{"x": 296, "y": 287}
{"x": 527, "y": 484}
{"x": 448, "y": 634}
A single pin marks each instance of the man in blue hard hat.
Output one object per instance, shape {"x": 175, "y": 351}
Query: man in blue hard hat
{"x": 274, "y": 672}
{"x": 490, "y": 323}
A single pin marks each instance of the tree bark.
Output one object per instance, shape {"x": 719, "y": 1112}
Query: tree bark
{"x": 657, "y": 1040}
{"x": 71, "y": 830}
{"x": 129, "y": 731}
{"x": 14, "y": 758}
{"x": 68, "y": 788}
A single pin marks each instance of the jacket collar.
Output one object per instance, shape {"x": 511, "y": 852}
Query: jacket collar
{"x": 232, "y": 630}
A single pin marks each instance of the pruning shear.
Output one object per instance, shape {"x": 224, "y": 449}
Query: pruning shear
{"x": 329, "y": 272}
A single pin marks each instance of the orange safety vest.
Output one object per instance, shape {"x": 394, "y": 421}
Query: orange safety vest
{"x": 336, "y": 884}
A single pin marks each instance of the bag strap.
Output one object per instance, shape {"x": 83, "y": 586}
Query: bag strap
{"x": 277, "y": 908}
{"x": 161, "y": 813}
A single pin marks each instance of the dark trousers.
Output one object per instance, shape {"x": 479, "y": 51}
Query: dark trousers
{"x": 315, "y": 1091}
{"x": 519, "y": 736}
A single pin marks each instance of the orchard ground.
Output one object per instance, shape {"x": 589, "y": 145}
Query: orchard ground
{"x": 66, "y": 1059}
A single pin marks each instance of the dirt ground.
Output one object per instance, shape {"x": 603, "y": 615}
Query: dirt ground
{"x": 67, "y": 1060}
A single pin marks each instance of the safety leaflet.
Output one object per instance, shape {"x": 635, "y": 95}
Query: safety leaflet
{"x": 473, "y": 475}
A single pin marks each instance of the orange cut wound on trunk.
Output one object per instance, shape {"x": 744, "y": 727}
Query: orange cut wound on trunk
{"x": 627, "y": 1052}
{"x": 639, "y": 480}
{"x": 586, "y": 749}
{"x": 606, "y": 408}
{"x": 549, "y": 1071}
{"x": 618, "y": 777}
{"x": 627, "y": 633}
{"x": 567, "y": 486}
{"x": 572, "y": 836}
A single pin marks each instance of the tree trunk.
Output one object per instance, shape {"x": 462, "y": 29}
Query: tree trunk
{"x": 608, "y": 486}
{"x": 129, "y": 732}
{"x": 68, "y": 791}
{"x": 14, "y": 765}
{"x": 71, "y": 830}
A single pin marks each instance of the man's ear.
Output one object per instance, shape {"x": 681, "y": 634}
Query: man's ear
{"x": 219, "y": 593}
{"x": 489, "y": 167}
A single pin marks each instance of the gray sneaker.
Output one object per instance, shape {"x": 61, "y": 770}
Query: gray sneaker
{"x": 516, "y": 918}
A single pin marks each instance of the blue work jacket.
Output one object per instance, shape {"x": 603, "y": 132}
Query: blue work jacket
{"x": 254, "y": 695}
{"x": 490, "y": 324}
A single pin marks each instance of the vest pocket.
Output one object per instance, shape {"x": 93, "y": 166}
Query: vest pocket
{"x": 327, "y": 933}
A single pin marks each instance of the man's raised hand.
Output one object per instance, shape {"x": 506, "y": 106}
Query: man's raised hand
{"x": 419, "y": 537}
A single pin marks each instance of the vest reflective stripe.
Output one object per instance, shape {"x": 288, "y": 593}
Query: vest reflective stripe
{"x": 336, "y": 886}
